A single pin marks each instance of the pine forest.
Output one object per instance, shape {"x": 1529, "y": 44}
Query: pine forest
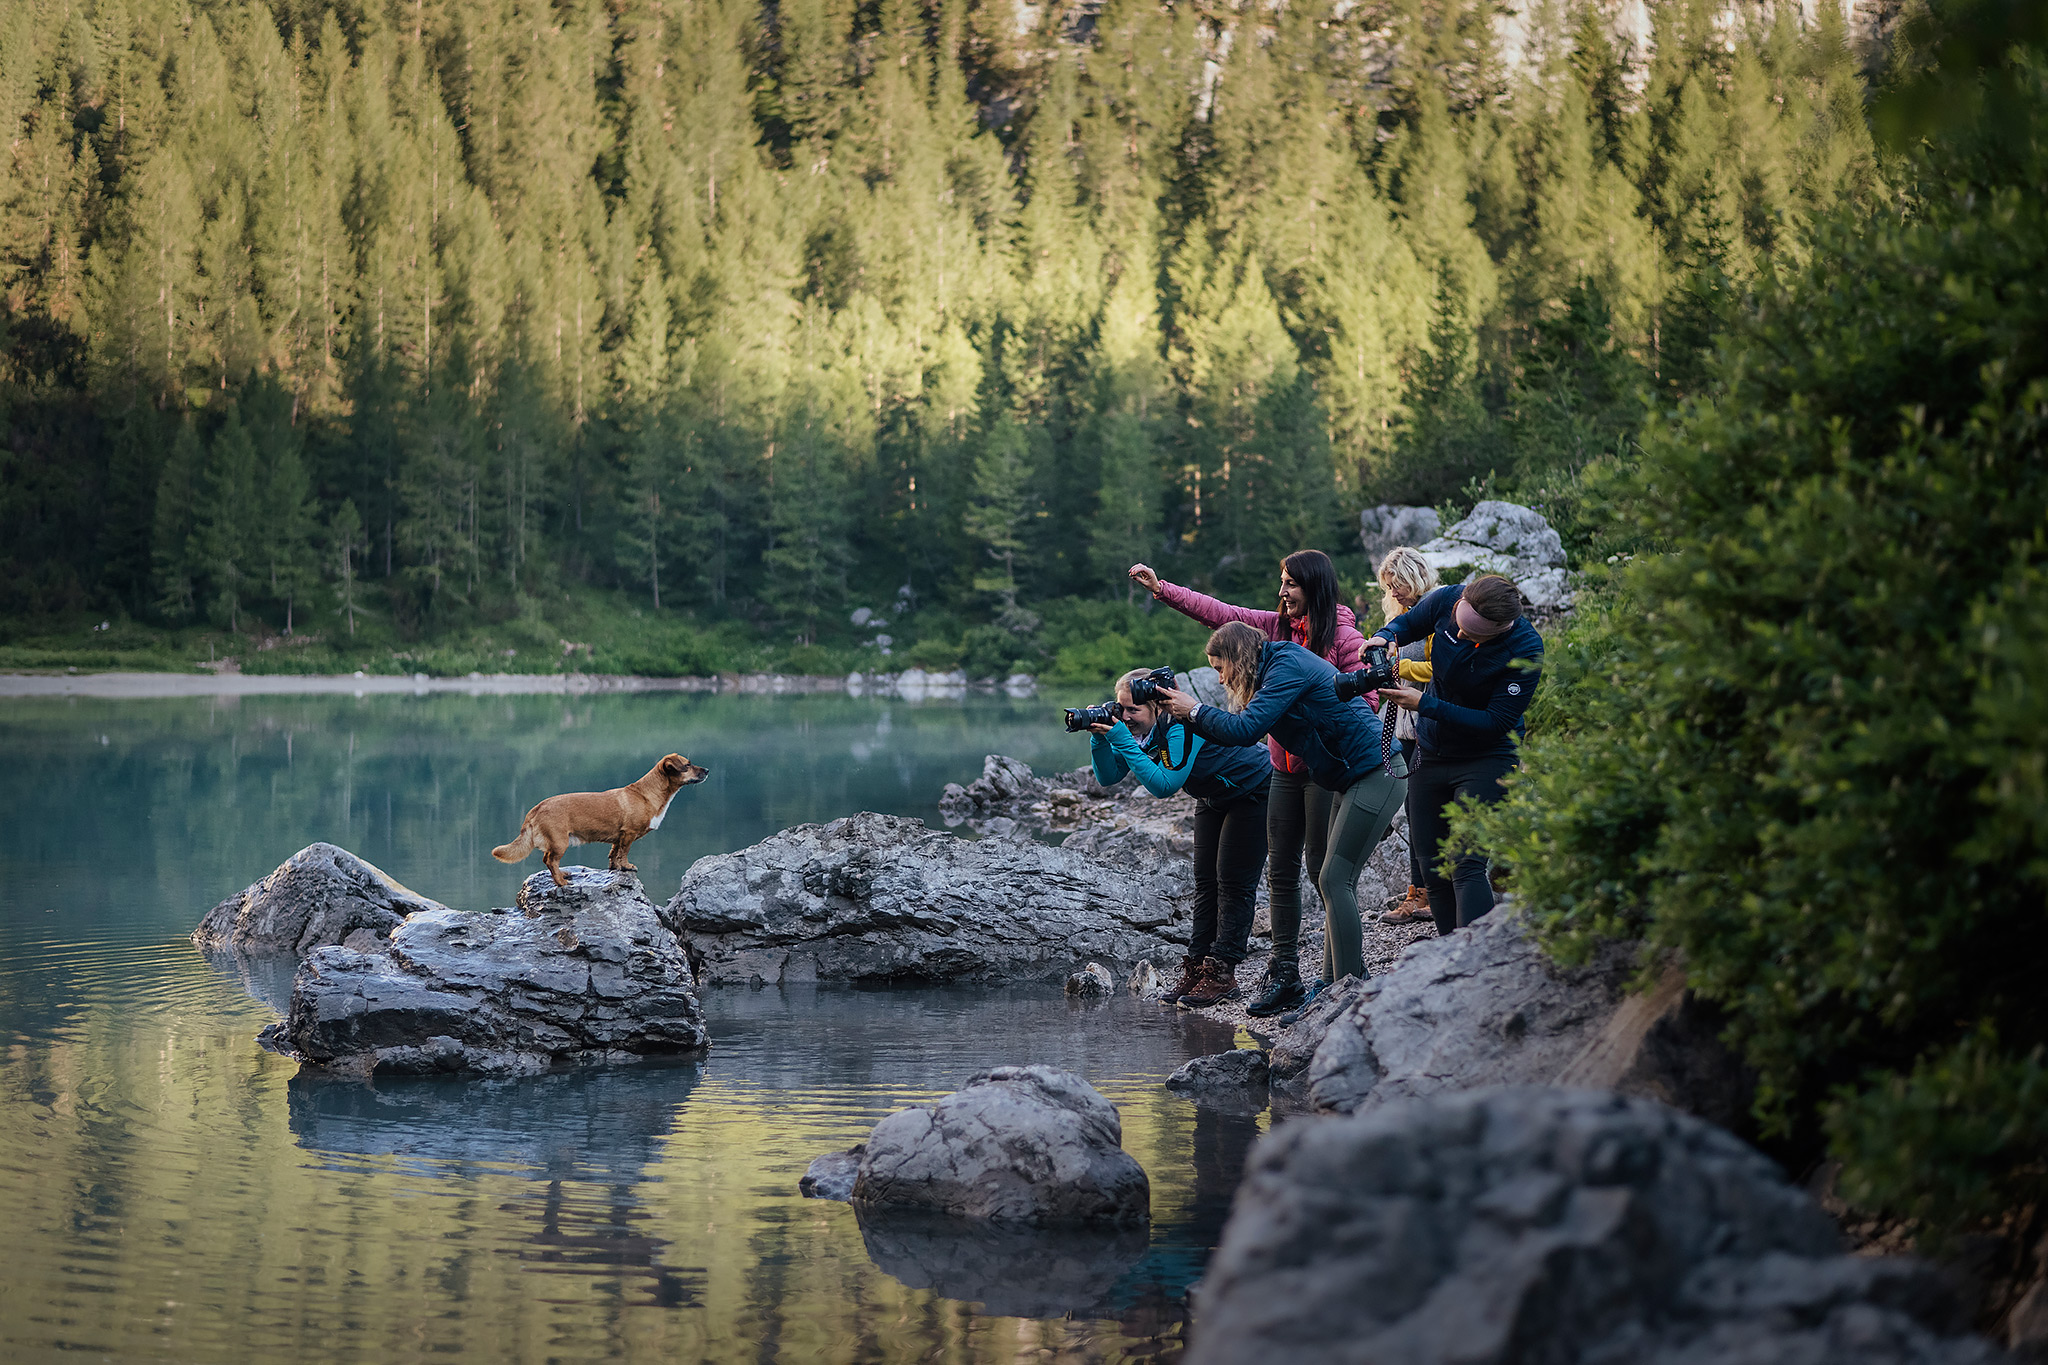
{"x": 419, "y": 325}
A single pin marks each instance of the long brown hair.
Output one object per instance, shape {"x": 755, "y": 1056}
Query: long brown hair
{"x": 1317, "y": 576}
{"x": 1235, "y": 646}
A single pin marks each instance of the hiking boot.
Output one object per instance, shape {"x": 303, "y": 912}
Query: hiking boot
{"x": 1308, "y": 996}
{"x": 1413, "y": 907}
{"x": 1190, "y": 977}
{"x": 1283, "y": 991}
{"x": 1218, "y": 984}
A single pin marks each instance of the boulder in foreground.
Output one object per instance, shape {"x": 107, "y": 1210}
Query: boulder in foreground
{"x": 883, "y": 898}
{"x": 1020, "y": 1144}
{"x": 320, "y": 895}
{"x": 1517, "y": 1226}
{"x": 578, "y": 975}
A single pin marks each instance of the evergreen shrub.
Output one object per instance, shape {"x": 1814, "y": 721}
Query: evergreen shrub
{"x": 1804, "y": 744}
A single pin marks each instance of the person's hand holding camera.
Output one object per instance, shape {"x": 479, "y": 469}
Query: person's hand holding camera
{"x": 1103, "y": 728}
{"x": 1407, "y": 698}
{"x": 1178, "y": 704}
{"x": 1144, "y": 576}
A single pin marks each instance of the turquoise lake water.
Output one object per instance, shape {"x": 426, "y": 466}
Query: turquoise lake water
{"x": 178, "y": 1194}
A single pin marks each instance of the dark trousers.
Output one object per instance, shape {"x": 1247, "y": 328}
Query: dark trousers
{"x": 1297, "y": 822}
{"x": 1467, "y": 894}
{"x": 1230, "y": 853}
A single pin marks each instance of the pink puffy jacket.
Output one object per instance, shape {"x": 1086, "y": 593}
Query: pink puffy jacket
{"x": 1346, "y": 645}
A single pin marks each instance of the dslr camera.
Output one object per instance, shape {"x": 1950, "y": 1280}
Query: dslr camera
{"x": 1080, "y": 718}
{"x": 1382, "y": 669}
{"x": 1145, "y": 689}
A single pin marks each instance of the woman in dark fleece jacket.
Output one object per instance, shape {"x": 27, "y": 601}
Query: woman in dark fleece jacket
{"x": 1487, "y": 663}
{"x": 1289, "y": 693}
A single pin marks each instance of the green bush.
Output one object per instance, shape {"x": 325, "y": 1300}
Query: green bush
{"x": 1802, "y": 744}
{"x": 934, "y": 654}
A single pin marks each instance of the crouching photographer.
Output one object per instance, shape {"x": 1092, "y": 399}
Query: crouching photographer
{"x": 1486, "y": 662}
{"x": 1133, "y": 735}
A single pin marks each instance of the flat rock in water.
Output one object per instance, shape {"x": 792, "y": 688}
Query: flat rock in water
{"x": 1520, "y": 1225}
{"x": 884, "y": 898}
{"x": 1019, "y": 1144}
{"x": 320, "y": 895}
{"x": 1240, "y": 1069}
{"x": 578, "y": 975}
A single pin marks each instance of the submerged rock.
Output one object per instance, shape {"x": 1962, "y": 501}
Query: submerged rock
{"x": 1092, "y": 981}
{"x": 576, "y": 975}
{"x": 320, "y": 895}
{"x": 1019, "y": 1144}
{"x": 1517, "y": 1226}
{"x": 883, "y": 898}
{"x": 1012, "y": 1272}
{"x": 831, "y": 1176}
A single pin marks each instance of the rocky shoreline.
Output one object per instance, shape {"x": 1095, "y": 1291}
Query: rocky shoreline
{"x": 910, "y": 685}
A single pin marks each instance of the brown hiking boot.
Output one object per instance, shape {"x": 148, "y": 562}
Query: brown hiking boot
{"x": 1414, "y": 906}
{"x": 1190, "y": 977}
{"x": 1218, "y": 983}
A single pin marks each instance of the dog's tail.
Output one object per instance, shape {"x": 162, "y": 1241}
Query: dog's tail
{"x": 518, "y": 849}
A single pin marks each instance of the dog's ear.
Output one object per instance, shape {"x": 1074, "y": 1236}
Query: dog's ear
{"x": 674, "y": 765}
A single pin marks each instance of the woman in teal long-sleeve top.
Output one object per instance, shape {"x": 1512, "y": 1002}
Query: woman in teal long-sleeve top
{"x": 1229, "y": 784}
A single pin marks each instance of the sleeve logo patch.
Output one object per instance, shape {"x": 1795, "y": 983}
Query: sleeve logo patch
{"x": 1514, "y": 689}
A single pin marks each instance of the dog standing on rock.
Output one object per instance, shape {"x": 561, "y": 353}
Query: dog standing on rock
{"x": 616, "y": 817}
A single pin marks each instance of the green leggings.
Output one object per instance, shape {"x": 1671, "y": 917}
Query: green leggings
{"x": 1358, "y": 821}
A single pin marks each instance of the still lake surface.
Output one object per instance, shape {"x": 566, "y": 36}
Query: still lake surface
{"x": 172, "y": 1192}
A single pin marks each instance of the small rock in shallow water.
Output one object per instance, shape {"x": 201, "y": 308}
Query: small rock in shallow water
{"x": 1091, "y": 981}
{"x": 1145, "y": 982}
{"x": 1240, "y": 1069}
{"x": 831, "y": 1176}
{"x": 1019, "y": 1144}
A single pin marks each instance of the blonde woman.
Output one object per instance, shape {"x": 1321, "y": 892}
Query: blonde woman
{"x": 1287, "y": 692}
{"x": 1405, "y": 579}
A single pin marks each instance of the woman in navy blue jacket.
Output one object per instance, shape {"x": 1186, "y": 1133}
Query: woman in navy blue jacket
{"x": 1289, "y": 693}
{"x": 1487, "y": 662}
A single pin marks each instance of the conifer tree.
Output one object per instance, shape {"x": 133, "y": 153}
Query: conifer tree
{"x": 176, "y": 518}
{"x": 226, "y": 545}
{"x": 998, "y": 508}
{"x": 344, "y": 546}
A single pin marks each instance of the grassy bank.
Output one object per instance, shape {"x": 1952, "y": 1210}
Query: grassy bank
{"x": 599, "y": 632}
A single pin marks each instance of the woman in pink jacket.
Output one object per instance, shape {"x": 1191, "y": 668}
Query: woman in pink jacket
{"x": 1297, "y": 810}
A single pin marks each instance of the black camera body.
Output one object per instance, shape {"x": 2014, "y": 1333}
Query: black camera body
{"x": 1149, "y": 687}
{"x": 1382, "y": 669}
{"x": 1080, "y": 718}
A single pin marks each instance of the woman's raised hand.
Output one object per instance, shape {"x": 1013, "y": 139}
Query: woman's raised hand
{"x": 1179, "y": 703}
{"x": 1146, "y": 578}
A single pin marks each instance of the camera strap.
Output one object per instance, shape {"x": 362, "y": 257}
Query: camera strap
{"x": 1187, "y": 753}
{"x": 1390, "y": 750}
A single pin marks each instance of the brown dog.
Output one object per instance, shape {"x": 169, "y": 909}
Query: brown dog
{"x": 616, "y": 817}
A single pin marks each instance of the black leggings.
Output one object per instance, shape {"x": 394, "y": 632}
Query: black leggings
{"x": 1467, "y": 894}
{"x": 1297, "y": 821}
{"x": 1230, "y": 853}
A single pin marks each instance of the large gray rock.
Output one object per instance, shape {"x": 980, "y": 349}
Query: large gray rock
{"x": 1487, "y": 1006}
{"x": 1019, "y": 1144}
{"x": 1226, "y": 1073}
{"x": 1531, "y": 1226}
{"x": 577, "y": 975}
{"x": 1382, "y": 528}
{"x": 883, "y": 898}
{"x": 1511, "y": 540}
{"x": 318, "y": 896}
